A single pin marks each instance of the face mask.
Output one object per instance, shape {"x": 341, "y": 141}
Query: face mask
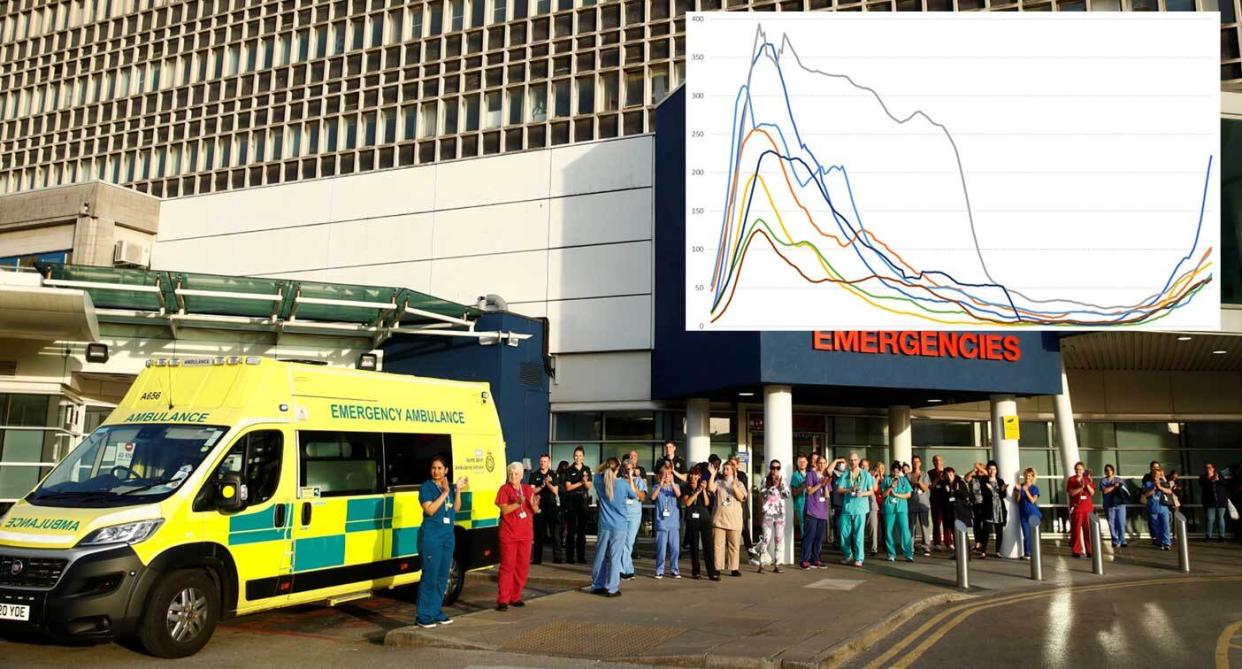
{"x": 840, "y": 468}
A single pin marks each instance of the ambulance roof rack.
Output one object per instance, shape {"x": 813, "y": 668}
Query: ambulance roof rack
{"x": 181, "y": 300}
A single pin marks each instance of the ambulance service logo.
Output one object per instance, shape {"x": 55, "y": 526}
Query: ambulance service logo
{"x": 490, "y": 462}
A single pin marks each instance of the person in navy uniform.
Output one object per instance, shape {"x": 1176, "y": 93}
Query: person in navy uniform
{"x": 577, "y": 484}
{"x": 548, "y": 521}
{"x": 671, "y": 459}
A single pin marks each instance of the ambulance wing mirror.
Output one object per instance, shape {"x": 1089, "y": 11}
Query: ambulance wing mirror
{"x": 230, "y": 492}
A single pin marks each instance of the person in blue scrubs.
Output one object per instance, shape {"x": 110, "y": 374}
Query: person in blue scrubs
{"x": 630, "y": 471}
{"x": 857, "y": 486}
{"x": 1026, "y": 494}
{"x": 1157, "y": 495}
{"x": 1115, "y": 496}
{"x": 439, "y": 500}
{"x": 614, "y": 495}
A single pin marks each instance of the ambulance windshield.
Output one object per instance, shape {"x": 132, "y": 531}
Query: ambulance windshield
{"x": 119, "y": 465}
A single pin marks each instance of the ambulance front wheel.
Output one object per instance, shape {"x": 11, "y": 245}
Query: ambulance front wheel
{"x": 181, "y": 614}
{"x": 456, "y": 579}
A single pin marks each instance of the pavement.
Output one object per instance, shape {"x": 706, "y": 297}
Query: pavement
{"x": 797, "y": 619}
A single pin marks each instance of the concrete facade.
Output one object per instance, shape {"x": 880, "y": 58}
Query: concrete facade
{"x": 85, "y": 219}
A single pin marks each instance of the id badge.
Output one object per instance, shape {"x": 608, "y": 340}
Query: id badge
{"x": 727, "y": 501}
{"x": 952, "y": 499}
{"x": 694, "y": 516}
{"x": 1082, "y": 497}
{"x": 666, "y": 513}
{"x": 629, "y": 502}
{"x": 522, "y": 515}
{"x": 447, "y": 521}
{"x": 822, "y": 499}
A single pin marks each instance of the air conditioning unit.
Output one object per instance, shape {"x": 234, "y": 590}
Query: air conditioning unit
{"x": 130, "y": 254}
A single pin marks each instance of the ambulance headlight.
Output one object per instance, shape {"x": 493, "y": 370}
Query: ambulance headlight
{"x": 128, "y": 533}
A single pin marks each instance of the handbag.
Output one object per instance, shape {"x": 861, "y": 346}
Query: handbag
{"x": 1233, "y": 510}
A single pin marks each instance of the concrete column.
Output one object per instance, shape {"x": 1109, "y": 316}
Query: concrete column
{"x": 1063, "y": 412}
{"x": 778, "y": 445}
{"x": 1005, "y": 453}
{"x": 698, "y": 431}
{"x": 899, "y": 444}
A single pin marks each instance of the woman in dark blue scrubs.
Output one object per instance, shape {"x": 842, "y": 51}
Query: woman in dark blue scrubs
{"x": 439, "y": 499}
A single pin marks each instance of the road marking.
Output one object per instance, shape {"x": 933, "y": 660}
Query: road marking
{"x": 961, "y": 612}
{"x": 1224, "y": 643}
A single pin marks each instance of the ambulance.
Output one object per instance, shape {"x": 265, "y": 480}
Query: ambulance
{"x": 227, "y": 486}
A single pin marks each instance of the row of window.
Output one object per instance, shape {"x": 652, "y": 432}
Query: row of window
{"x": 535, "y": 103}
{"x": 334, "y": 463}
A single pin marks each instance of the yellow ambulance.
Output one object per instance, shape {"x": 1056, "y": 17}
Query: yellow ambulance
{"x": 226, "y": 486}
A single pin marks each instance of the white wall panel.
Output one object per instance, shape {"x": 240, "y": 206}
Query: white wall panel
{"x": 385, "y": 193}
{"x": 589, "y": 271}
{"x": 600, "y": 166}
{"x": 380, "y": 240}
{"x": 505, "y": 178}
{"x": 606, "y": 324}
{"x": 502, "y": 228}
{"x": 287, "y": 205}
{"x": 599, "y": 218}
{"x": 521, "y": 277}
{"x": 603, "y": 377}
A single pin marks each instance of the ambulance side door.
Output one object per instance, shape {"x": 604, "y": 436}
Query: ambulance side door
{"x": 259, "y": 537}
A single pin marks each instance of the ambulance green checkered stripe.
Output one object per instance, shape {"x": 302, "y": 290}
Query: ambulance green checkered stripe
{"x": 404, "y": 542}
{"x": 258, "y": 536}
{"x": 259, "y": 520}
{"x": 318, "y": 552}
{"x": 368, "y": 525}
{"x": 486, "y": 522}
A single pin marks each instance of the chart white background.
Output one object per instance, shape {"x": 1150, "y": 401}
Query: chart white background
{"x": 1084, "y": 143}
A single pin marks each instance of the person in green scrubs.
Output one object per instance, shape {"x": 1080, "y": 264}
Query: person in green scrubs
{"x": 855, "y": 485}
{"x": 895, "y": 491}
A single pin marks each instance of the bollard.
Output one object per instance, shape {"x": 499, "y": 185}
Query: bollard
{"x": 1097, "y": 552}
{"x": 963, "y": 555}
{"x": 1037, "y": 567}
{"x": 1183, "y": 544}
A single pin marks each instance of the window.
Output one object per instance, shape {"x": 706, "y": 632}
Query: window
{"x": 256, "y": 457}
{"x": 407, "y": 457}
{"x": 515, "y": 106}
{"x": 498, "y": 11}
{"x": 492, "y": 119}
{"x": 561, "y": 92}
{"x": 340, "y": 463}
{"x": 586, "y": 95}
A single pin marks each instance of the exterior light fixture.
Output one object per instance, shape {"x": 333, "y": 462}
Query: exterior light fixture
{"x": 97, "y": 352}
{"x": 745, "y": 394}
{"x": 368, "y": 362}
{"x": 935, "y": 400}
{"x": 1219, "y": 351}
{"x": 1185, "y": 338}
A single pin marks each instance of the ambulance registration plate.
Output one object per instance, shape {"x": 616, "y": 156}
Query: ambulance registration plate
{"x": 14, "y": 612}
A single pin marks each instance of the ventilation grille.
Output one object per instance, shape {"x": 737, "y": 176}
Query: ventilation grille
{"x": 531, "y": 373}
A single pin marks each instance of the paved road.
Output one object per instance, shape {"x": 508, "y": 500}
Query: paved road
{"x": 306, "y": 636}
{"x": 1190, "y": 622}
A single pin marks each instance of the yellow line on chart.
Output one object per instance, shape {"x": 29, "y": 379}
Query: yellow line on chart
{"x": 963, "y": 611}
{"x": 1224, "y": 643}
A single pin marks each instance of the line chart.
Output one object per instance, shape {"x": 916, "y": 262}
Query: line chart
{"x": 978, "y": 171}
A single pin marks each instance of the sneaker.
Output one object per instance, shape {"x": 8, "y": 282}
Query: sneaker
{"x": 659, "y": 576}
{"x": 846, "y": 560}
{"x": 892, "y": 559}
{"x": 599, "y": 591}
{"x": 613, "y": 594}
{"x": 909, "y": 559}
{"x": 676, "y": 575}
{"x": 502, "y": 607}
{"x": 926, "y": 553}
{"x": 817, "y": 565}
{"x": 427, "y": 626}
{"x": 714, "y": 577}
{"x": 806, "y": 565}
{"x": 776, "y": 569}
{"x": 857, "y": 563}
{"x": 519, "y": 604}
{"x": 735, "y": 572}
{"x": 449, "y": 621}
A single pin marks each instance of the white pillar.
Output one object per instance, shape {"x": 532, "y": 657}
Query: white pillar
{"x": 899, "y": 444}
{"x": 698, "y": 431}
{"x": 1063, "y": 412}
{"x": 778, "y": 445}
{"x": 1005, "y": 453}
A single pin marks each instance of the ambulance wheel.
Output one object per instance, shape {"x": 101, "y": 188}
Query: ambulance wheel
{"x": 456, "y": 579}
{"x": 181, "y": 614}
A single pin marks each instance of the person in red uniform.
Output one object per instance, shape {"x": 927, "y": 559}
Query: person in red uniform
{"x": 1082, "y": 512}
{"x": 518, "y": 505}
